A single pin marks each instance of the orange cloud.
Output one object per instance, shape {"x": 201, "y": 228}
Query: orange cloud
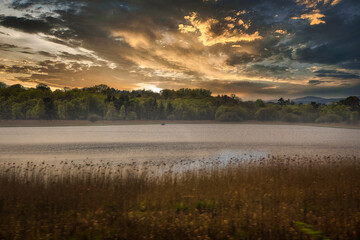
{"x": 134, "y": 39}
{"x": 280, "y": 31}
{"x": 315, "y": 3}
{"x": 315, "y": 17}
{"x": 206, "y": 36}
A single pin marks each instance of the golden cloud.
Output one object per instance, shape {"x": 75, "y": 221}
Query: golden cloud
{"x": 315, "y": 3}
{"x": 231, "y": 33}
{"x": 280, "y": 31}
{"x": 134, "y": 39}
{"x": 315, "y": 17}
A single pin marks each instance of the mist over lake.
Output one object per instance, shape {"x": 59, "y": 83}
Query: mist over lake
{"x": 173, "y": 142}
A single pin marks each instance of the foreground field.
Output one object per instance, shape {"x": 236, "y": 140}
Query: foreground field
{"x": 272, "y": 198}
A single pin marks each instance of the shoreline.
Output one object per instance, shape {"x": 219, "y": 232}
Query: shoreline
{"x": 59, "y": 123}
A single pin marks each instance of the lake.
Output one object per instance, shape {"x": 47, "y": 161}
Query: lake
{"x": 172, "y": 142}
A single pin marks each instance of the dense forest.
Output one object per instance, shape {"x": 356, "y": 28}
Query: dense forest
{"x": 102, "y": 102}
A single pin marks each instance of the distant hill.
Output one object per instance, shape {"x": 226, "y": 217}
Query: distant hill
{"x": 309, "y": 99}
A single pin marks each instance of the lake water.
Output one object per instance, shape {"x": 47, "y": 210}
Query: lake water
{"x": 172, "y": 142}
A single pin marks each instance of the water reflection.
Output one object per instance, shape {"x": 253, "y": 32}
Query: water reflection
{"x": 172, "y": 144}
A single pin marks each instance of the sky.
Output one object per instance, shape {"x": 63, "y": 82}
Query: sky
{"x": 251, "y": 48}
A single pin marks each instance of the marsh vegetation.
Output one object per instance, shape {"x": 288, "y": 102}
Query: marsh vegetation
{"x": 183, "y": 181}
{"x": 274, "y": 197}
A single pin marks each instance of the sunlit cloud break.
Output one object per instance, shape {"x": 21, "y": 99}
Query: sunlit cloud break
{"x": 231, "y": 32}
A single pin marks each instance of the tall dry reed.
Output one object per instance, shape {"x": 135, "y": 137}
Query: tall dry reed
{"x": 269, "y": 198}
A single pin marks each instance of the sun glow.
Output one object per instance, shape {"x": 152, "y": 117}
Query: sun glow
{"x": 151, "y": 87}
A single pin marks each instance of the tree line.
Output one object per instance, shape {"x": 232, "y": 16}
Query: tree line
{"x": 104, "y": 103}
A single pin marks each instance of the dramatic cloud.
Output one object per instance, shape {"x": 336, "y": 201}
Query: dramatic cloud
{"x": 240, "y": 58}
{"x": 250, "y": 48}
{"x": 315, "y": 17}
{"x": 212, "y": 31}
{"x": 317, "y": 82}
{"x": 336, "y": 74}
{"x": 316, "y": 3}
{"x": 24, "y": 24}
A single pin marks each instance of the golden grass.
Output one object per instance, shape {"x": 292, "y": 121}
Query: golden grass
{"x": 274, "y": 198}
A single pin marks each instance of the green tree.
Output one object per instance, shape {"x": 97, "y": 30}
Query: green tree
{"x": 122, "y": 113}
{"x": 281, "y": 102}
{"x": 229, "y": 116}
{"x": 71, "y": 110}
{"x": 49, "y": 108}
{"x": 131, "y": 116}
{"x": 169, "y": 109}
{"x": 167, "y": 93}
{"x": 6, "y": 108}
{"x": 260, "y": 103}
{"x": 266, "y": 114}
{"x": 111, "y": 113}
{"x": 329, "y": 118}
{"x": 17, "y": 111}
{"x": 354, "y": 118}
{"x": 353, "y": 102}
{"x": 237, "y": 111}
{"x": 290, "y": 117}
{"x": 61, "y": 110}
{"x": 38, "y": 112}
{"x": 42, "y": 87}
{"x": 161, "y": 114}
{"x": 342, "y": 111}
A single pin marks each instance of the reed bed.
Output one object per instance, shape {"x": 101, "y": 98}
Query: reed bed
{"x": 276, "y": 197}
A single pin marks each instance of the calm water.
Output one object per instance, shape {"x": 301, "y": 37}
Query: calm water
{"x": 172, "y": 143}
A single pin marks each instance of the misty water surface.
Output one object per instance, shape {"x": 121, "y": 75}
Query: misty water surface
{"x": 172, "y": 142}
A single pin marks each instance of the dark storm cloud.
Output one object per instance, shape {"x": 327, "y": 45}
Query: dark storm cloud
{"x": 26, "y": 52}
{"x": 45, "y": 68}
{"x": 7, "y": 47}
{"x": 336, "y": 74}
{"x": 46, "y": 54}
{"x": 317, "y": 82}
{"x": 26, "y": 25}
{"x": 24, "y": 79}
{"x": 237, "y": 59}
{"x": 351, "y": 65}
{"x": 272, "y": 70}
{"x": 21, "y": 69}
{"x": 335, "y": 52}
{"x": 77, "y": 57}
{"x": 19, "y": 4}
{"x": 333, "y": 91}
{"x": 14, "y": 48}
{"x": 50, "y": 66}
{"x": 334, "y": 42}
